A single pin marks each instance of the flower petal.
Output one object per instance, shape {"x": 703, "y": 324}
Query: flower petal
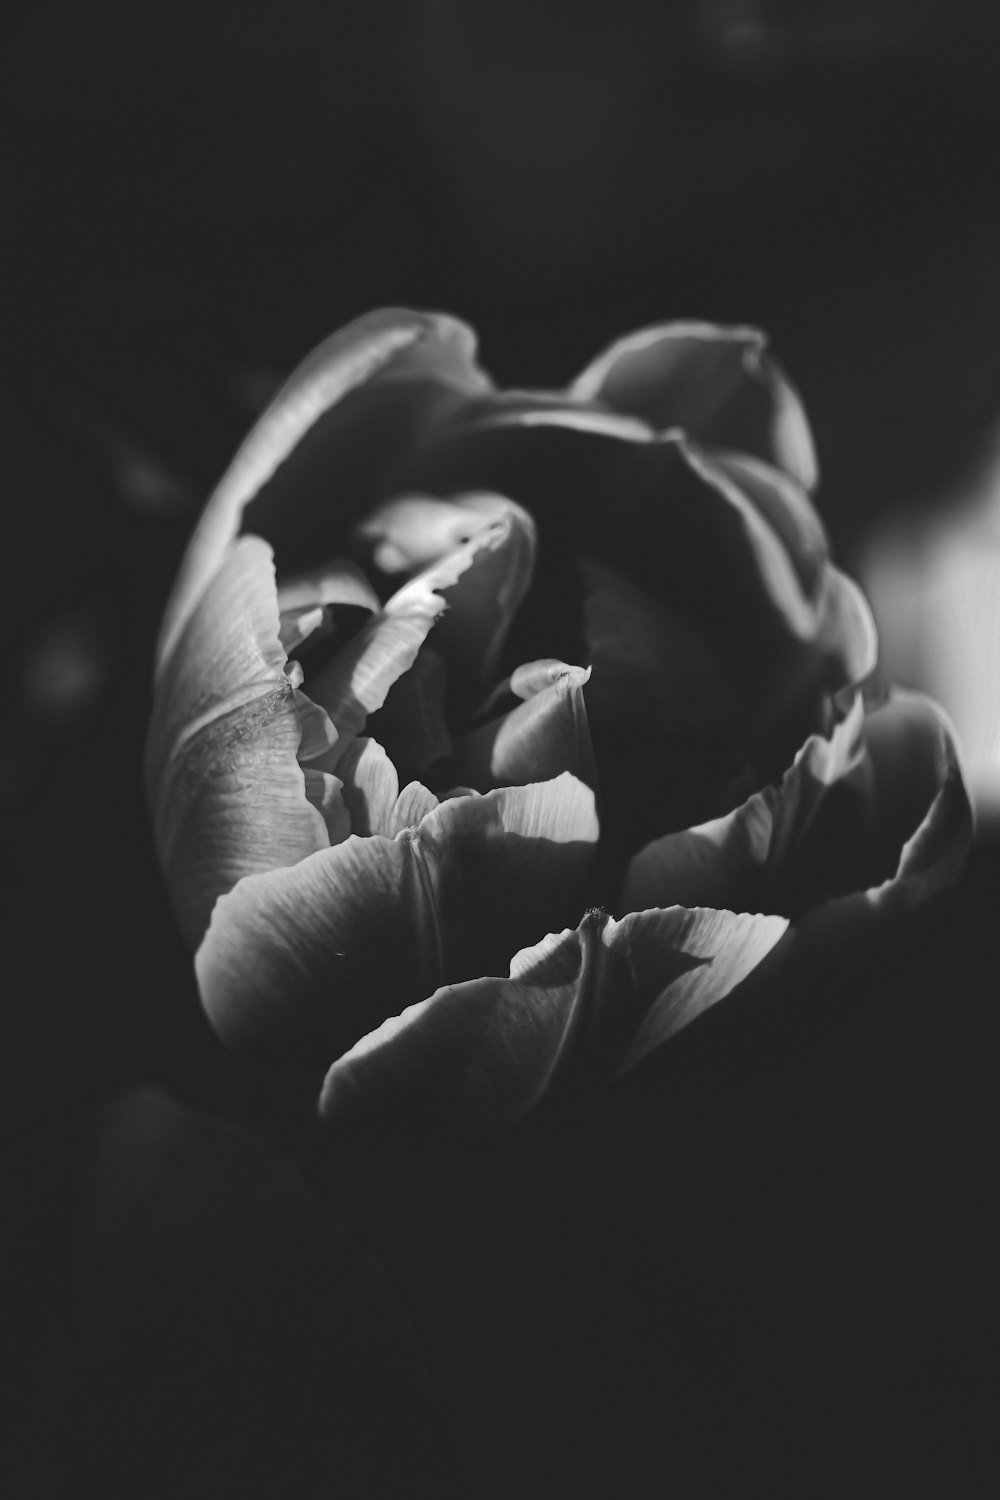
{"x": 545, "y": 734}
{"x": 578, "y": 1007}
{"x": 732, "y": 861}
{"x": 919, "y": 792}
{"x": 410, "y": 532}
{"x": 318, "y": 954}
{"x": 404, "y": 370}
{"x": 718, "y": 384}
{"x": 663, "y": 715}
{"x": 473, "y": 1057}
{"x": 356, "y": 682}
{"x": 226, "y": 791}
{"x": 723, "y": 948}
{"x": 372, "y": 795}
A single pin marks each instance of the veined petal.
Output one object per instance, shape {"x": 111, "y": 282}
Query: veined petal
{"x": 372, "y": 795}
{"x": 718, "y": 384}
{"x": 731, "y": 862}
{"x": 432, "y": 355}
{"x": 578, "y": 1007}
{"x": 545, "y": 734}
{"x": 226, "y": 791}
{"x": 311, "y": 957}
{"x": 474, "y": 1057}
{"x": 316, "y": 955}
{"x": 722, "y": 949}
{"x": 512, "y": 864}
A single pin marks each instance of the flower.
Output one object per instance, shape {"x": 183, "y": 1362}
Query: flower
{"x": 545, "y": 736}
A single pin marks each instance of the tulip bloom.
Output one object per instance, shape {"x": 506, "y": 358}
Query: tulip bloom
{"x": 499, "y": 735}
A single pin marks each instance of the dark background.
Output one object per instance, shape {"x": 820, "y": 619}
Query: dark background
{"x": 792, "y": 1255}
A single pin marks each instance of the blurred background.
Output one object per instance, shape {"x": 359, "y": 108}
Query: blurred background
{"x": 196, "y": 194}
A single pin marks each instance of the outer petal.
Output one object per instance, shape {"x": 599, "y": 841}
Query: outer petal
{"x": 733, "y": 861}
{"x": 718, "y": 384}
{"x": 318, "y": 954}
{"x": 431, "y": 354}
{"x": 919, "y": 792}
{"x": 577, "y": 1007}
{"x": 227, "y": 794}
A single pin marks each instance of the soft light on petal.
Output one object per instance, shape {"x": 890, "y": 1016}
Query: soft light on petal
{"x": 578, "y": 1007}
{"x": 718, "y": 384}
{"x": 392, "y": 345}
{"x": 545, "y": 734}
{"x": 226, "y": 791}
{"x": 316, "y": 955}
{"x": 372, "y": 795}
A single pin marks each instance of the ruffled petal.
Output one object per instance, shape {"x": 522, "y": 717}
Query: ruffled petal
{"x": 226, "y": 791}
{"x": 479, "y": 583}
{"x": 718, "y": 384}
{"x": 578, "y": 1008}
{"x": 372, "y": 795}
{"x": 315, "y": 956}
{"x": 475, "y": 1056}
{"x": 545, "y": 734}
{"x": 920, "y": 796}
{"x": 512, "y": 864}
{"x": 318, "y": 454}
{"x": 732, "y": 861}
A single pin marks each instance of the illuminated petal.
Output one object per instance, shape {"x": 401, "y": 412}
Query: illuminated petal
{"x": 312, "y": 451}
{"x": 545, "y": 734}
{"x": 718, "y": 384}
{"x": 722, "y": 949}
{"x": 732, "y": 861}
{"x": 484, "y": 597}
{"x": 577, "y": 1008}
{"x": 226, "y": 791}
{"x": 316, "y": 955}
{"x": 473, "y": 1057}
{"x": 372, "y": 795}
{"x": 479, "y": 584}
{"x": 410, "y": 532}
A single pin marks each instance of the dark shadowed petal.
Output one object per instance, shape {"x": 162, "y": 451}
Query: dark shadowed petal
{"x": 411, "y": 723}
{"x": 226, "y": 791}
{"x": 545, "y": 734}
{"x": 919, "y": 796}
{"x": 578, "y": 1007}
{"x": 310, "y": 464}
{"x": 512, "y": 865}
{"x": 718, "y": 384}
{"x": 662, "y": 711}
{"x": 731, "y": 862}
{"x": 317, "y": 955}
